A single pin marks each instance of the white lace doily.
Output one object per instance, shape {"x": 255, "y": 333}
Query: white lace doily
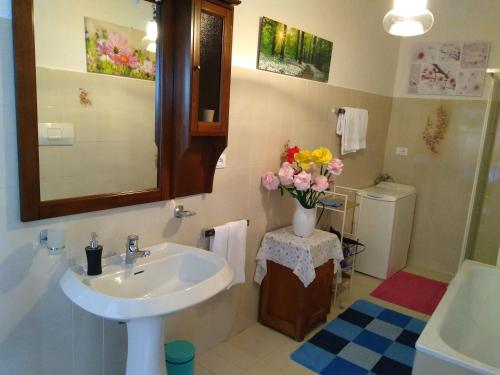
{"x": 302, "y": 255}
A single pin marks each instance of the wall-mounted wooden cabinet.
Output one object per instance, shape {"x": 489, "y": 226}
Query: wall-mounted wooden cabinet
{"x": 203, "y": 30}
{"x": 211, "y": 69}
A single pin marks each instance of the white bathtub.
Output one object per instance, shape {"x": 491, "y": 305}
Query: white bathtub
{"x": 463, "y": 335}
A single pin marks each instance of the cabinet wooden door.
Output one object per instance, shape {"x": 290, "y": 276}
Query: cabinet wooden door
{"x": 289, "y": 307}
{"x": 211, "y": 68}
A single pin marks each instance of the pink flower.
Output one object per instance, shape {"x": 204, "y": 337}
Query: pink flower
{"x": 126, "y": 58}
{"x": 320, "y": 183}
{"x": 286, "y": 173}
{"x": 116, "y": 44}
{"x": 335, "y": 167}
{"x": 270, "y": 181}
{"x": 149, "y": 68}
{"x": 102, "y": 47}
{"x": 302, "y": 181}
{"x": 116, "y": 48}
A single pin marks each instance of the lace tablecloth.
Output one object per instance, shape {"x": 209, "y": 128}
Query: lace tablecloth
{"x": 302, "y": 255}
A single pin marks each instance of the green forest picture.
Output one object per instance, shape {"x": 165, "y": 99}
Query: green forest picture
{"x": 293, "y": 52}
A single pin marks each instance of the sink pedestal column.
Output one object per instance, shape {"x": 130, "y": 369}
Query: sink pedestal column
{"x": 145, "y": 353}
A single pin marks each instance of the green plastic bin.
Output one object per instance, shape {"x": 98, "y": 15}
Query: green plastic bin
{"x": 179, "y": 356}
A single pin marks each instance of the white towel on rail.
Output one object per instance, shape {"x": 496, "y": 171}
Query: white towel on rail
{"x": 352, "y": 126}
{"x": 229, "y": 242}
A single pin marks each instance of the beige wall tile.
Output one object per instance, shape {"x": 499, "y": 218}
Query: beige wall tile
{"x": 443, "y": 181}
{"x": 114, "y": 147}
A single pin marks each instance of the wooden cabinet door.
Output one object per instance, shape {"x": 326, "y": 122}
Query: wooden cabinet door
{"x": 211, "y": 68}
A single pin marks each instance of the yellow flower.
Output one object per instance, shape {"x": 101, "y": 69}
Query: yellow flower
{"x": 322, "y": 156}
{"x": 303, "y": 159}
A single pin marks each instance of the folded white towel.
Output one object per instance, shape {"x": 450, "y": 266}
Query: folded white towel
{"x": 229, "y": 242}
{"x": 352, "y": 126}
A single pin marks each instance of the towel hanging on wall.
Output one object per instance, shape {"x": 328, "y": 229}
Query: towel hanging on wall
{"x": 352, "y": 125}
{"x": 229, "y": 242}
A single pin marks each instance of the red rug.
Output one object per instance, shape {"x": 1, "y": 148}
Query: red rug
{"x": 412, "y": 291}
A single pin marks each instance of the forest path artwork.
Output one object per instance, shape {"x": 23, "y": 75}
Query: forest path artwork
{"x": 293, "y": 52}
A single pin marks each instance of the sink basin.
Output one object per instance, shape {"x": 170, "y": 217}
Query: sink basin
{"x": 172, "y": 278}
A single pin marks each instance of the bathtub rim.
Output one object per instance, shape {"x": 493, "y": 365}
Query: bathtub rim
{"x": 430, "y": 341}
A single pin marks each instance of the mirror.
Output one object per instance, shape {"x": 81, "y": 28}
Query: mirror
{"x": 95, "y": 90}
{"x": 94, "y": 103}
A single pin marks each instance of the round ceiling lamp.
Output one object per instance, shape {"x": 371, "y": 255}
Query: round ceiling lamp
{"x": 408, "y": 18}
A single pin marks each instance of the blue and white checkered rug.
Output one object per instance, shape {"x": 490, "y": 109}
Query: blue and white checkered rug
{"x": 364, "y": 339}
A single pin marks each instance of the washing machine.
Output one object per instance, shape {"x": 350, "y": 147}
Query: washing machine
{"x": 384, "y": 225}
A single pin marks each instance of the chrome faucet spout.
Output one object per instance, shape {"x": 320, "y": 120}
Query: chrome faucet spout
{"x": 132, "y": 251}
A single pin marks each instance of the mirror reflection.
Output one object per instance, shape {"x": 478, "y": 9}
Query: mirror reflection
{"x": 96, "y": 72}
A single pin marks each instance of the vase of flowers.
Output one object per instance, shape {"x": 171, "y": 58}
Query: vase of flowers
{"x": 305, "y": 175}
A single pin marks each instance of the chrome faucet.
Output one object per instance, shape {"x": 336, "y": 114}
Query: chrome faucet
{"x": 132, "y": 251}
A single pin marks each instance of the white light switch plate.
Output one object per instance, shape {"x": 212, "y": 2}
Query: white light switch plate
{"x": 221, "y": 163}
{"x": 402, "y": 151}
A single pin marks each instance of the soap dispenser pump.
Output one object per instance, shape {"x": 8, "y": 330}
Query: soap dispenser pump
{"x": 94, "y": 255}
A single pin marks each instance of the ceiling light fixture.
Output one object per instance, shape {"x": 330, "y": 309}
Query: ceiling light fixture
{"x": 408, "y": 18}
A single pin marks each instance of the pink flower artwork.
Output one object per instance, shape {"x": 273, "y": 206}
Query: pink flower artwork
{"x": 475, "y": 55}
{"x": 116, "y": 44}
{"x": 450, "y": 52}
{"x": 449, "y": 68}
{"x": 436, "y": 79}
{"x": 118, "y": 50}
{"x": 125, "y": 57}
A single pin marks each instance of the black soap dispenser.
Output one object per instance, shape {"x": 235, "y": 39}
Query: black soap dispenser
{"x": 94, "y": 255}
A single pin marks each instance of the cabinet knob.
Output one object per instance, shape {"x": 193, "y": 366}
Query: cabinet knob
{"x": 197, "y": 67}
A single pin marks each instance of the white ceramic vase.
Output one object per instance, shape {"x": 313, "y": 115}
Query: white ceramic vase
{"x": 304, "y": 220}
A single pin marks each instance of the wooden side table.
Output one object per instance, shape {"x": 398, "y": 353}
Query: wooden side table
{"x": 296, "y": 278}
{"x": 288, "y": 306}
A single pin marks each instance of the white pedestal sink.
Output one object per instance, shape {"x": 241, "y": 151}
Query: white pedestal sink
{"x": 174, "y": 277}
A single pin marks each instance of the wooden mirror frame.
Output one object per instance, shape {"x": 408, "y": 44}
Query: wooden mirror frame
{"x": 32, "y": 208}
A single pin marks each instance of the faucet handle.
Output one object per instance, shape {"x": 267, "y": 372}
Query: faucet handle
{"x": 132, "y": 237}
{"x": 132, "y": 241}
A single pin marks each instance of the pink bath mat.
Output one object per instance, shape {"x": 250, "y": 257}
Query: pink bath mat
{"x": 412, "y": 291}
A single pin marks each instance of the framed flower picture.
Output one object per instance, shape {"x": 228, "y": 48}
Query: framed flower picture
{"x": 118, "y": 50}
{"x": 450, "y": 68}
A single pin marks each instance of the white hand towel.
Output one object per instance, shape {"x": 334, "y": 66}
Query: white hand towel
{"x": 237, "y": 250}
{"x": 229, "y": 242}
{"x": 219, "y": 241}
{"x": 352, "y": 126}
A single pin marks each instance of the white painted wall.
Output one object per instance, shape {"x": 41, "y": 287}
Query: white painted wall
{"x": 360, "y": 48}
{"x": 455, "y": 20}
{"x": 60, "y": 28}
{"x": 364, "y": 55}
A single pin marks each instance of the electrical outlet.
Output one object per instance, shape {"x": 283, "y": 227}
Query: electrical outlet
{"x": 221, "y": 163}
{"x": 402, "y": 151}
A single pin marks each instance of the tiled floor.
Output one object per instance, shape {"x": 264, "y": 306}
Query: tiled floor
{"x": 262, "y": 351}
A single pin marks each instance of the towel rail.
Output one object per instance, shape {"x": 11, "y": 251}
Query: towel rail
{"x": 211, "y": 232}
{"x": 338, "y": 111}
